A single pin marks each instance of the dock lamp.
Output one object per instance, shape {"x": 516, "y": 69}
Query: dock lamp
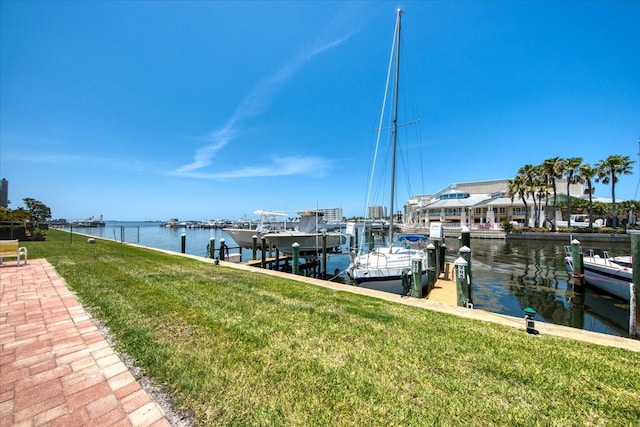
{"x": 529, "y": 314}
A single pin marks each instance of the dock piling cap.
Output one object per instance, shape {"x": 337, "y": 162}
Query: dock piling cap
{"x": 529, "y": 311}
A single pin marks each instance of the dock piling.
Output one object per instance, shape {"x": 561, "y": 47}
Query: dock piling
{"x": 254, "y": 247}
{"x": 465, "y": 237}
{"x": 223, "y": 249}
{"x": 183, "y": 245}
{"x": 635, "y": 296}
{"x": 576, "y": 258}
{"x": 296, "y": 257}
{"x": 431, "y": 266}
{"x": 324, "y": 254}
{"x": 211, "y": 249}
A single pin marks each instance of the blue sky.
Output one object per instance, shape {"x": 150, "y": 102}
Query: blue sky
{"x": 195, "y": 110}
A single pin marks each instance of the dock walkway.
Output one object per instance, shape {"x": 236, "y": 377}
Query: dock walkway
{"x": 444, "y": 290}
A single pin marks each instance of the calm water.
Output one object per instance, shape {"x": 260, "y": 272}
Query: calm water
{"x": 507, "y": 276}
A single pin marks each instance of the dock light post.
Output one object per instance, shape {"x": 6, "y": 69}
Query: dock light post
{"x": 416, "y": 276}
{"x": 296, "y": 257}
{"x": 529, "y": 314}
{"x": 465, "y": 252}
{"x": 462, "y": 290}
{"x": 183, "y": 246}
{"x": 212, "y": 247}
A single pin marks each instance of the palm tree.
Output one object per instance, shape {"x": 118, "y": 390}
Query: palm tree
{"x": 552, "y": 169}
{"x": 608, "y": 171}
{"x": 587, "y": 173}
{"x": 571, "y": 168}
{"x": 541, "y": 190}
{"x": 529, "y": 173}
{"x": 517, "y": 187}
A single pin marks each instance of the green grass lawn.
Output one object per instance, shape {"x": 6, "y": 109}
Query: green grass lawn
{"x": 242, "y": 348}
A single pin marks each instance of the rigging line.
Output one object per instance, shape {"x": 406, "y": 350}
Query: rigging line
{"x": 635, "y": 196}
{"x": 384, "y": 102}
{"x": 399, "y": 126}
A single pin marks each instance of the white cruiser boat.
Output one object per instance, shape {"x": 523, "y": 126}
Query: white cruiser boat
{"x": 610, "y": 274}
{"x": 308, "y": 235}
{"x": 244, "y": 236}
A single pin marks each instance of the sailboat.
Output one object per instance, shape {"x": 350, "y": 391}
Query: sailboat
{"x": 384, "y": 267}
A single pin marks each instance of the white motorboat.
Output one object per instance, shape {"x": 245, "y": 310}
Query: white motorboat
{"x": 610, "y": 274}
{"x": 244, "y": 236}
{"x": 386, "y": 266}
{"x": 579, "y": 221}
{"x": 172, "y": 223}
{"x": 309, "y": 235}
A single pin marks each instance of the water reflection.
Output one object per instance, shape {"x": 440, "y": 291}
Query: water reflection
{"x": 509, "y": 276}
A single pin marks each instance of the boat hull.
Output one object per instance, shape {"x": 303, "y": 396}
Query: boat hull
{"x": 310, "y": 243}
{"x": 606, "y": 276}
{"x": 243, "y": 237}
{"x": 383, "y": 268}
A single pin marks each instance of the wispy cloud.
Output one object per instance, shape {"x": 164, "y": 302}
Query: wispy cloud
{"x": 124, "y": 164}
{"x": 279, "y": 166}
{"x": 254, "y": 104}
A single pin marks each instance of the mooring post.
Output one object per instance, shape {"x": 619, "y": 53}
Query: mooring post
{"x": 461, "y": 277}
{"x": 277, "y": 265}
{"x": 576, "y": 259}
{"x": 370, "y": 240}
{"x": 441, "y": 252}
{"x": 296, "y": 257}
{"x": 465, "y": 252}
{"x": 416, "y": 276}
{"x": 212, "y": 247}
{"x": 431, "y": 265}
{"x": 222, "y": 250}
{"x": 324, "y": 254}
{"x": 254, "y": 247}
{"x": 633, "y": 312}
{"x": 635, "y": 260}
{"x": 263, "y": 253}
{"x": 183, "y": 246}
{"x": 465, "y": 236}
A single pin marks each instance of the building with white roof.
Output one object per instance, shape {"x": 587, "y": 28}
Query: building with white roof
{"x": 481, "y": 202}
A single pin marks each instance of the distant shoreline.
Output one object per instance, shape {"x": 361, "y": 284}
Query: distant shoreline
{"x": 568, "y": 237}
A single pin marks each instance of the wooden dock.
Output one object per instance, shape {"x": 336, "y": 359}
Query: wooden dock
{"x": 444, "y": 290}
{"x": 268, "y": 261}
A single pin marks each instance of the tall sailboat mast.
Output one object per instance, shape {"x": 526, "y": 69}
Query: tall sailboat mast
{"x": 395, "y": 126}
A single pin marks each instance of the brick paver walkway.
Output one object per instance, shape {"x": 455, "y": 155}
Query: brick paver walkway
{"x": 56, "y": 368}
